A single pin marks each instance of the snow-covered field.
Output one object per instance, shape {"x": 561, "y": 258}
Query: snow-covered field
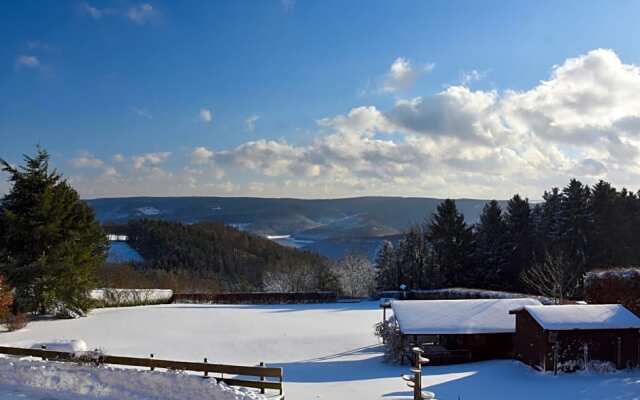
{"x": 328, "y": 351}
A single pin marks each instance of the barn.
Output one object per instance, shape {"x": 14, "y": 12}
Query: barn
{"x": 452, "y": 331}
{"x": 568, "y": 337}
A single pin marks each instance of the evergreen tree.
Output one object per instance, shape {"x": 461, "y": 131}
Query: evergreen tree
{"x": 51, "y": 242}
{"x": 491, "y": 246}
{"x": 576, "y": 222}
{"x": 451, "y": 241}
{"x": 386, "y": 277}
{"x": 519, "y": 224}
{"x": 606, "y": 241}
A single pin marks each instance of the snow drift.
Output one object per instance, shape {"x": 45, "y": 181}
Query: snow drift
{"x": 115, "y": 383}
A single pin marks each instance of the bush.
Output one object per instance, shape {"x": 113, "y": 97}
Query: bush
{"x": 616, "y": 286}
{"x": 6, "y": 299}
{"x": 16, "y": 321}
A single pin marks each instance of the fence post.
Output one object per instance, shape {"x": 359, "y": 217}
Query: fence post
{"x": 262, "y": 377}
{"x": 151, "y": 362}
{"x": 206, "y": 373}
{"x": 619, "y": 352}
{"x": 44, "y": 347}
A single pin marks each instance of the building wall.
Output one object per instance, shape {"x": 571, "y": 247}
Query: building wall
{"x": 530, "y": 341}
{"x": 467, "y": 347}
{"x": 535, "y": 346}
{"x": 602, "y": 345}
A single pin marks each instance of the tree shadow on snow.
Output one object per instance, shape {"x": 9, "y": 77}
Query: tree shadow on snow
{"x": 341, "y": 367}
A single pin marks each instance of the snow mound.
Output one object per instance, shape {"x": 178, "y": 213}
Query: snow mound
{"x": 591, "y": 316}
{"x": 116, "y": 383}
{"x": 440, "y": 317}
{"x": 69, "y": 346}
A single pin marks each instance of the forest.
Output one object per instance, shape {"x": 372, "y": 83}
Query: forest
{"x": 211, "y": 256}
{"x": 544, "y": 247}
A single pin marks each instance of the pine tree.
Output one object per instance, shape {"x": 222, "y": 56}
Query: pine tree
{"x": 519, "y": 224}
{"x": 51, "y": 242}
{"x": 386, "y": 277}
{"x": 576, "y": 221}
{"x": 451, "y": 241}
{"x": 491, "y": 246}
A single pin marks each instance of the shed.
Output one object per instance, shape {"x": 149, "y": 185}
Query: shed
{"x": 452, "y": 331}
{"x": 567, "y": 337}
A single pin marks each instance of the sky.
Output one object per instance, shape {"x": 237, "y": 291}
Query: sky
{"x": 323, "y": 99}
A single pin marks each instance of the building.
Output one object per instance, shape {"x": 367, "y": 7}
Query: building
{"x": 453, "y": 331}
{"x": 567, "y": 337}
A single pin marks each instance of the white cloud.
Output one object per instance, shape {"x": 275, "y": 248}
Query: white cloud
{"x": 91, "y": 11}
{"x": 118, "y": 158}
{"x": 141, "y": 14}
{"x": 402, "y": 75}
{"x": 150, "y": 159}
{"x": 250, "y": 122}
{"x": 28, "y": 61}
{"x": 583, "y": 121}
{"x": 206, "y": 115}
{"x": 201, "y": 155}
{"x": 467, "y": 77}
{"x": 86, "y": 160}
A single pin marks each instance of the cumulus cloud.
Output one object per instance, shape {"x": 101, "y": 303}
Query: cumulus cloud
{"x": 402, "y": 75}
{"x": 250, "y": 122}
{"x": 150, "y": 159}
{"x": 201, "y": 155}
{"x": 206, "y": 115}
{"x": 582, "y": 121}
{"x": 118, "y": 158}
{"x": 86, "y": 160}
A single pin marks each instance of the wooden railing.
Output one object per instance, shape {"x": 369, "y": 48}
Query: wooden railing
{"x": 264, "y": 377}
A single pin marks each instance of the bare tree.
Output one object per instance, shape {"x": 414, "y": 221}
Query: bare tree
{"x": 290, "y": 279}
{"x": 357, "y": 275}
{"x": 553, "y": 278}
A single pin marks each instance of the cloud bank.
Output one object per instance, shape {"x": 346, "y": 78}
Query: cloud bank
{"x": 582, "y": 121}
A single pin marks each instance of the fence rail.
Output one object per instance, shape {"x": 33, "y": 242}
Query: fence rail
{"x": 237, "y": 372}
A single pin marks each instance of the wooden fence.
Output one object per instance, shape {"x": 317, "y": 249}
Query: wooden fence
{"x": 263, "y": 377}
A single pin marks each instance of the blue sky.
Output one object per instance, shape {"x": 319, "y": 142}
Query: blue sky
{"x": 300, "y": 98}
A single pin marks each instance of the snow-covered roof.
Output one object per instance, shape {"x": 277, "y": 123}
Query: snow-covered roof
{"x": 432, "y": 317}
{"x": 579, "y": 316}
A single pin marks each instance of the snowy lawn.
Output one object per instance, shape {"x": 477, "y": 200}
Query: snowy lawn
{"x": 328, "y": 351}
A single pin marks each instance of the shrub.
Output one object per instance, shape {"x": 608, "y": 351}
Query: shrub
{"x": 6, "y": 299}
{"x": 16, "y": 321}
{"x": 620, "y": 286}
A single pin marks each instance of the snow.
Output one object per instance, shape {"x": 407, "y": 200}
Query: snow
{"x": 113, "y": 383}
{"x": 70, "y": 346}
{"x": 591, "y": 316}
{"x": 432, "y": 317}
{"x": 328, "y": 351}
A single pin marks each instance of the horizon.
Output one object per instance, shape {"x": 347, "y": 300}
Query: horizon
{"x": 303, "y": 100}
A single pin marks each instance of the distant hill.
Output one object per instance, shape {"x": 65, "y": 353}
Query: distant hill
{"x": 237, "y": 259}
{"x": 329, "y": 227}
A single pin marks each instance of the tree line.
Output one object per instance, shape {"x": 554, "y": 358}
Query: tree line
{"x": 573, "y": 230}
